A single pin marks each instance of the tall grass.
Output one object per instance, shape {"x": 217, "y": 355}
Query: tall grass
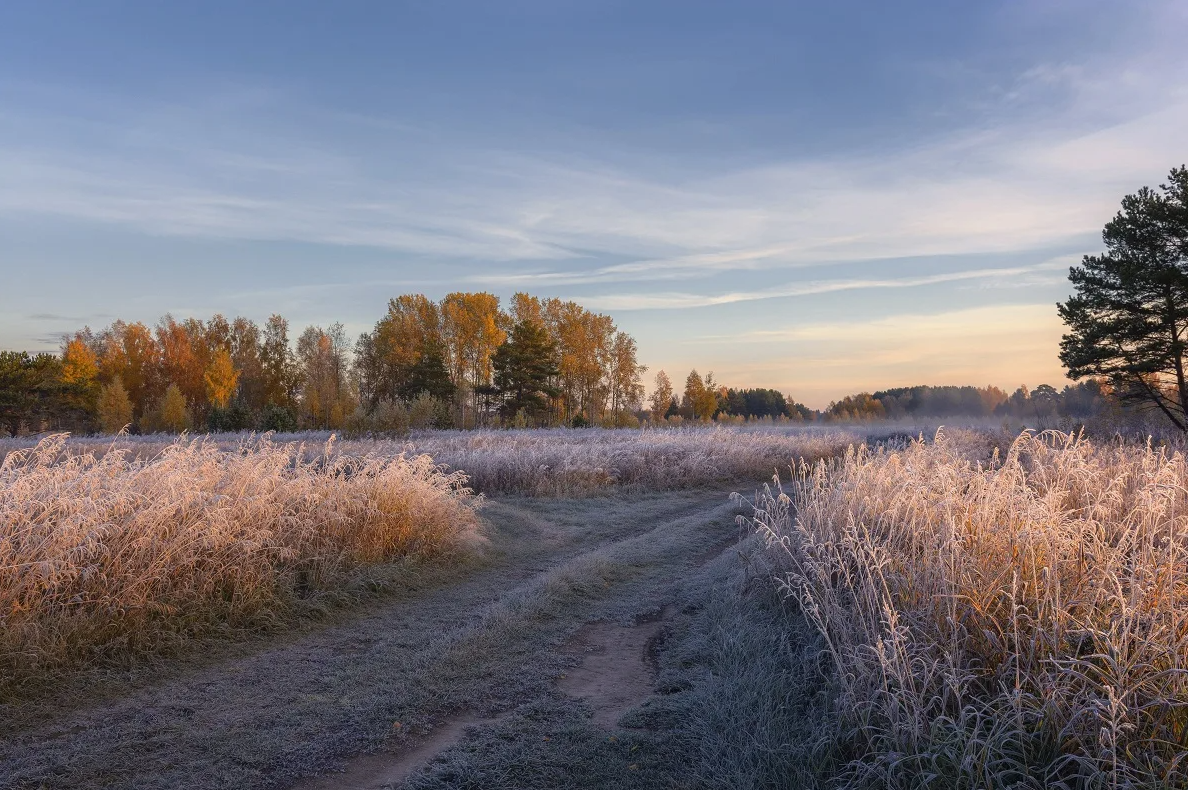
{"x": 107, "y": 556}
{"x": 562, "y": 462}
{"x": 1021, "y": 621}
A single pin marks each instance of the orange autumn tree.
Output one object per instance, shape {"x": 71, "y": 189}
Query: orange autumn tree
{"x": 221, "y": 378}
{"x": 182, "y": 360}
{"x": 131, "y": 354}
{"x": 80, "y": 364}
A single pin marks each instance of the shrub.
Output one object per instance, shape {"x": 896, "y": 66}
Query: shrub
{"x": 426, "y": 411}
{"x": 172, "y": 412}
{"x": 235, "y": 417}
{"x": 277, "y": 419}
{"x": 388, "y": 418}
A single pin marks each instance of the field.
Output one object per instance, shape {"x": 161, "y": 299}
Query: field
{"x": 591, "y": 608}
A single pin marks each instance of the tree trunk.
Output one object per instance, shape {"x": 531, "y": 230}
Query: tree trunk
{"x": 1178, "y": 357}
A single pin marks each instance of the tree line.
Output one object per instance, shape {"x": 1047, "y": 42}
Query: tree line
{"x": 1075, "y": 401}
{"x": 465, "y": 361}
{"x": 704, "y": 400}
{"x": 458, "y": 362}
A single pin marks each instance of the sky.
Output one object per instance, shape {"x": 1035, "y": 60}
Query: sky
{"x": 823, "y": 198}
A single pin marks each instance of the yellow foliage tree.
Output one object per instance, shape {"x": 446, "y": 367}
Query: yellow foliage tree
{"x": 700, "y": 396}
{"x": 221, "y": 379}
{"x": 172, "y": 414}
{"x": 114, "y": 408}
{"x": 661, "y": 396}
{"x": 472, "y": 330}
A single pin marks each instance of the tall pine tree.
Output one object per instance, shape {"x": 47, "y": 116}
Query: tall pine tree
{"x": 525, "y": 367}
{"x": 1128, "y": 318}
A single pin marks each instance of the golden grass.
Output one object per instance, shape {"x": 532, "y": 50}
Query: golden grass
{"x": 998, "y": 621}
{"x": 108, "y": 556}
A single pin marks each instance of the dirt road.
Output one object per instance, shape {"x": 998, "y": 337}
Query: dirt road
{"x": 516, "y": 672}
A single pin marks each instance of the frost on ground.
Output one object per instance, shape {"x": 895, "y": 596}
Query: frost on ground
{"x": 972, "y": 610}
{"x": 488, "y": 644}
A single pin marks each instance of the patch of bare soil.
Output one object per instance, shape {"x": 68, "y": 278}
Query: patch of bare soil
{"x": 393, "y": 765}
{"x": 615, "y": 674}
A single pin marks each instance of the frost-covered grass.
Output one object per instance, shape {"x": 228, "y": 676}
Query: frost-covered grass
{"x": 107, "y": 556}
{"x": 581, "y": 462}
{"x": 113, "y": 547}
{"x": 562, "y": 462}
{"x": 1013, "y": 621}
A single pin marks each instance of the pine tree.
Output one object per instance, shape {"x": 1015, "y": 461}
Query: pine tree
{"x": 280, "y": 376}
{"x": 1128, "y": 321}
{"x": 428, "y": 375}
{"x": 32, "y": 392}
{"x": 524, "y": 368}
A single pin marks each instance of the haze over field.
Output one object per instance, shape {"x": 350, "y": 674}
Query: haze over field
{"x": 817, "y": 200}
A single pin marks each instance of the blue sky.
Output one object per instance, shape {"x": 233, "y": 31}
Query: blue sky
{"x": 817, "y": 197}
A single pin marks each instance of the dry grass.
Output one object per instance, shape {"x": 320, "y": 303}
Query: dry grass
{"x": 1021, "y": 621}
{"x": 588, "y": 461}
{"x": 562, "y": 462}
{"x": 108, "y": 556}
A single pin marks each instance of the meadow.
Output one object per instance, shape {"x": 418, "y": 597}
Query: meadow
{"x": 965, "y": 608}
{"x": 112, "y": 548}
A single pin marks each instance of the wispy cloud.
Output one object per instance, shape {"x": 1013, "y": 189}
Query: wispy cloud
{"x": 669, "y": 301}
{"x": 73, "y": 318}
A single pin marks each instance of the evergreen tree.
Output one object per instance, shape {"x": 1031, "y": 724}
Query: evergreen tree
{"x": 524, "y": 367}
{"x": 280, "y": 375}
{"x": 1129, "y": 316}
{"x": 34, "y": 395}
{"x": 428, "y": 375}
{"x": 674, "y": 408}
